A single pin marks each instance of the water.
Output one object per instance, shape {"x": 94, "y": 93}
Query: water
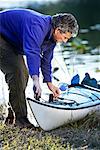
{"x": 81, "y": 63}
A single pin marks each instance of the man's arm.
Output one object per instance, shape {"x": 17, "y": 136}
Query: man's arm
{"x": 47, "y": 71}
{"x": 33, "y": 37}
{"x": 46, "y": 67}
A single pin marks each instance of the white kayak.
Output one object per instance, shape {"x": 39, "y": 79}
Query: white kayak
{"x": 72, "y": 105}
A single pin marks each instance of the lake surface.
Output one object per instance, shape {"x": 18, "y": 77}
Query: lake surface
{"x": 80, "y": 63}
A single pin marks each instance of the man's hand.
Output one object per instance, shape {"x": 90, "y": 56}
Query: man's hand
{"x": 36, "y": 87}
{"x": 54, "y": 89}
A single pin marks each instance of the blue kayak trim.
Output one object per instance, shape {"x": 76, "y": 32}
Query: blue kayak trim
{"x": 62, "y": 108}
{"x": 69, "y": 106}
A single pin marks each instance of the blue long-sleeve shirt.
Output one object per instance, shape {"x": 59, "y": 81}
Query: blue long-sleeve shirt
{"x": 30, "y": 33}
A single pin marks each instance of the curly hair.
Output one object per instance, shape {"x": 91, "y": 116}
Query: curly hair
{"x": 66, "y": 22}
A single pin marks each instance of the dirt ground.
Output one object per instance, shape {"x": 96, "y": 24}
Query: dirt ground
{"x": 80, "y": 135}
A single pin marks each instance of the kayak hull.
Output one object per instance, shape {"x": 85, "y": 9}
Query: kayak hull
{"x": 55, "y": 114}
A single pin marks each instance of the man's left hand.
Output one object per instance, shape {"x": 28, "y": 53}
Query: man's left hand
{"x": 54, "y": 89}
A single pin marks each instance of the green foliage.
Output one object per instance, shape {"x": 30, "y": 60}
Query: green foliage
{"x": 97, "y": 70}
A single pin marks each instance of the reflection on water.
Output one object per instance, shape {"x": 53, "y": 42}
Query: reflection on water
{"x": 95, "y": 27}
{"x": 91, "y": 34}
{"x": 80, "y": 63}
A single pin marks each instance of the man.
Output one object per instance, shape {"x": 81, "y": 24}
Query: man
{"x": 29, "y": 33}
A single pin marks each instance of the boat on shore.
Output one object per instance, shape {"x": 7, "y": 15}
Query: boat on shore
{"x": 73, "y": 104}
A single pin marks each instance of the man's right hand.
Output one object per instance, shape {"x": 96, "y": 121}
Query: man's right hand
{"x": 36, "y": 87}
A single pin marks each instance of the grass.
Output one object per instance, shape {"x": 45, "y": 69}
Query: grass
{"x": 80, "y": 135}
{"x": 97, "y": 70}
{"x": 27, "y": 139}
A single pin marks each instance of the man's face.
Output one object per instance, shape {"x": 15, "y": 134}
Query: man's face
{"x": 60, "y": 36}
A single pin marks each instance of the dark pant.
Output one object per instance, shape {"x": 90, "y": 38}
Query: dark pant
{"x": 16, "y": 76}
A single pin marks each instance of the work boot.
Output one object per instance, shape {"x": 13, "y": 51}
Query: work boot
{"x": 10, "y": 120}
{"x": 23, "y": 122}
